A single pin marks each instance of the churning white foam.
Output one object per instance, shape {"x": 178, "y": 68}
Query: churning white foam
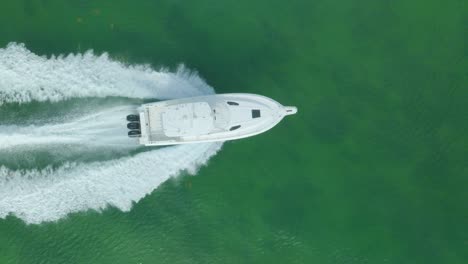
{"x": 38, "y": 195}
{"x": 105, "y": 128}
{"x": 26, "y": 76}
{"x": 47, "y": 195}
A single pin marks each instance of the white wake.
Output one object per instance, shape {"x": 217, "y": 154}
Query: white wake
{"x": 48, "y": 194}
{"x": 102, "y": 128}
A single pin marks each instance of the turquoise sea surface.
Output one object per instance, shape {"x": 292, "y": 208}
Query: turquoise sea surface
{"x": 372, "y": 169}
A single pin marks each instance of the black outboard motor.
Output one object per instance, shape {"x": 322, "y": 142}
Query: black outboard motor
{"x": 133, "y": 125}
{"x": 133, "y": 118}
{"x": 134, "y": 133}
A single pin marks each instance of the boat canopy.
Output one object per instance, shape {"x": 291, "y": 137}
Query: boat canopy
{"x": 190, "y": 119}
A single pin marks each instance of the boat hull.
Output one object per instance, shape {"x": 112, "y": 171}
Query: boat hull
{"x": 211, "y": 118}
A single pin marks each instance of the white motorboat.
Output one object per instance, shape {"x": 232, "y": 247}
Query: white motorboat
{"x": 208, "y": 118}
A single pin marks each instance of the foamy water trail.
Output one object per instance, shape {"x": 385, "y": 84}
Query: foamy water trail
{"x": 48, "y": 194}
{"x": 26, "y": 76}
{"x": 103, "y": 128}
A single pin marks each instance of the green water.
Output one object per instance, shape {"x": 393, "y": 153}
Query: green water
{"x": 372, "y": 169}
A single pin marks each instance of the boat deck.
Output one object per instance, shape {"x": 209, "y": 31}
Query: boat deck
{"x": 152, "y": 130}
